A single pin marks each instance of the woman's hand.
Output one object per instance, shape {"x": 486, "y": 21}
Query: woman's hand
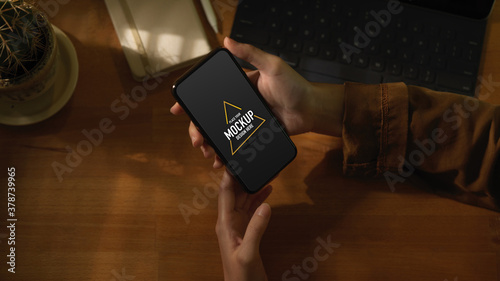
{"x": 299, "y": 105}
{"x": 241, "y": 222}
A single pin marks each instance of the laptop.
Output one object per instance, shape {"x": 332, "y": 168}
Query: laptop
{"x": 436, "y": 44}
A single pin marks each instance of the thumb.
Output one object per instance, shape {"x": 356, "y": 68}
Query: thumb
{"x": 246, "y": 52}
{"x": 256, "y": 227}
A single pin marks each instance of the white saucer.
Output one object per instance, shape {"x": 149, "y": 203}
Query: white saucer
{"x": 43, "y": 107}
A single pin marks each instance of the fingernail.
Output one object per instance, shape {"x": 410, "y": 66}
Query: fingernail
{"x": 264, "y": 209}
{"x": 232, "y": 40}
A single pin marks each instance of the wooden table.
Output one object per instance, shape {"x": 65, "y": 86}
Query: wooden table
{"x": 116, "y": 215}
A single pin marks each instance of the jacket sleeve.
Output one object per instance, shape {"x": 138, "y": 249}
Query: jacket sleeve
{"x": 448, "y": 140}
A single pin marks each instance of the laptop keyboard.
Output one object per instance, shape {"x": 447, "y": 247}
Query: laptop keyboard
{"x": 417, "y": 46}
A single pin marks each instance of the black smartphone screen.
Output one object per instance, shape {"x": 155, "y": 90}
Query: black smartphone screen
{"x": 234, "y": 118}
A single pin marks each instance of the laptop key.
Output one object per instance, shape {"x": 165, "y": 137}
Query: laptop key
{"x": 377, "y": 64}
{"x": 388, "y": 36}
{"x": 449, "y": 34}
{"x": 271, "y": 51}
{"x": 460, "y": 67}
{"x": 323, "y": 36}
{"x": 343, "y": 58}
{"x": 410, "y": 72}
{"x": 339, "y": 24}
{"x": 455, "y": 51}
{"x": 373, "y": 49}
{"x": 338, "y": 39}
{"x": 433, "y": 31}
{"x": 335, "y": 69}
{"x": 417, "y": 28}
{"x": 319, "y": 6}
{"x": 322, "y": 20}
{"x": 473, "y": 41}
{"x": 427, "y": 76}
{"x": 392, "y": 79}
{"x": 251, "y": 22}
{"x": 389, "y": 52}
{"x": 278, "y": 42}
{"x": 350, "y": 12}
{"x": 334, "y": 8}
{"x": 290, "y": 13}
{"x": 254, "y": 36}
{"x": 361, "y": 61}
{"x": 307, "y": 18}
{"x": 295, "y": 45}
{"x": 250, "y": 6}
{"x": 437, "y": 47}
{"x": 311, "y": 48}
{"x": 327, "y": 52}
{"x": 406, "y": 55}
{"x": 404, "y": 40}
{"x": 421, "y": 43}
{"x": 291, "y": 29}
{"x": 455, "y": 81}
{"x": 272, "y": 9}
{"x": 366, "y": 16}
{"x": 401, "y": 23}
{"x": 306, "y": 33}
{"x": 274, "y": 25}
{"x": 394, "y": 68}
{"x": 422, "y": 58}
{"x": 471, "y": 53}
{"x": 439, "y": 62}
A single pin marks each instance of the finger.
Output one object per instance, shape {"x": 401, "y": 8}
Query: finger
{"x": 253, "y": 76}
{"x": 208, "y": 151}
{"x": 241, "y": 197}
{"x": 195, "y": 135}
{"x": 253, "y": 198}
{"x": 203, "y": 151}
{"x": 226, "y": 195}
{"x": 256, "y": 228}
{"x": 249, "y": 53}
{"x": 177, "y": 109}
{"x": 217, "y": 163}
{"x": 259, "y": 198}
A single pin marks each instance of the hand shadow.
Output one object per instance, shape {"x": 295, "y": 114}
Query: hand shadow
{"x": 294, "y": 229}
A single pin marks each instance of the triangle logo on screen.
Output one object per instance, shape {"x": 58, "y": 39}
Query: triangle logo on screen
{"x": 241, "y": 125}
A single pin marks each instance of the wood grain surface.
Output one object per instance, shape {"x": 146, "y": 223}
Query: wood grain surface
{"x": 115, "y": 214}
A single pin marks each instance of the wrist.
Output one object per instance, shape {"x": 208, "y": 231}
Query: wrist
{"x": 327, "y": 108}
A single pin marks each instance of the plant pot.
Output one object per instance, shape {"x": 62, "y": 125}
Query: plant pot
{"x": 40, "y": 79}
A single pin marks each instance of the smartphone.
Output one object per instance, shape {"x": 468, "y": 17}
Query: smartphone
{"x": 235, "y": 120}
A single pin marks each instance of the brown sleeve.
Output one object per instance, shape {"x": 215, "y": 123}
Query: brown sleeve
{"x": 451, "y": 141}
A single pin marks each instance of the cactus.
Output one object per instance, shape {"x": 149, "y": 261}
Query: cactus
{"x": 23, "y": 39}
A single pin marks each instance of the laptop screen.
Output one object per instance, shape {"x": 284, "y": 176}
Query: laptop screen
{"x": 478, "y": 9}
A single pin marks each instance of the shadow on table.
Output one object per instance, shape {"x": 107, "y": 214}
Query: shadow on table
{"x": 294, "y": 230}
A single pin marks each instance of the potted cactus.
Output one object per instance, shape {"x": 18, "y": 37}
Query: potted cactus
{"x": 28, "y": 52}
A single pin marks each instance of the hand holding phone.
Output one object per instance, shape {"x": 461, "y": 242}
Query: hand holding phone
{"x": 292, "y": 99}
{"x": 234, "y": 119}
